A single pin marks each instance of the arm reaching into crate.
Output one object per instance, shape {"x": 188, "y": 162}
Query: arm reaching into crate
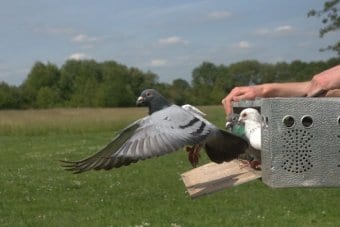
{"x": 292, "y": 89}
{"x": 322, "y": 84}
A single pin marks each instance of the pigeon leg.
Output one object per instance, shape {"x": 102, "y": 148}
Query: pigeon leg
{"x": 244, "y": 163}
{"x": 193, "y": 154}
{"x": 254, "y": 164}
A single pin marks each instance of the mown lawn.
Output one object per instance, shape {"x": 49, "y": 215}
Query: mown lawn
{"x": 36, "y": 191}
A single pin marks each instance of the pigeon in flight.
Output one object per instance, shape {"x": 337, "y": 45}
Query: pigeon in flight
{"x": 167, "y": 128}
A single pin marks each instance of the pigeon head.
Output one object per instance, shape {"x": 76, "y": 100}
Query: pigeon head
{"x": 152, "y": 99}
{"x": 235, "y": 126}
{"x": 146, "y": 97}
{"x": 250, "y": 114}
{"x": 231, "y": 120}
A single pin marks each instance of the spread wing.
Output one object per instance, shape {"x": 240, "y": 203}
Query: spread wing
{"x": 162, "y": 132}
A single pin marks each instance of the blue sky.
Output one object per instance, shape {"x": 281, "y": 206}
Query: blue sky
{"x": 169, "y": 38}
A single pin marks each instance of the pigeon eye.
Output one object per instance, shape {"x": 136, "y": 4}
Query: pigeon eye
{"x": 148, "y": 94}
{"x": 244, "y": 115}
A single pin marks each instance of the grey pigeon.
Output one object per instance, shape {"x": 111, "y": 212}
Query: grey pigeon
{"x": 167, "y": 128}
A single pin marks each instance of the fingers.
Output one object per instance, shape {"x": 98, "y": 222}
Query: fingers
{"x": 242, "y": 97}
{"x": 232, "y": 96}
{"x": 333, "y": 93}
{"x": 324, "y": 81}
{"x": 227, "y": 104}
{"x": 328, "y": 79}
{"x": 317, "y": 93}
{"x": 314, "y": 89}
{"x": 237, "y": 94}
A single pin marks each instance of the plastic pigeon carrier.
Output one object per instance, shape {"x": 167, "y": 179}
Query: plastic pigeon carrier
{"x": 300, "y": 141}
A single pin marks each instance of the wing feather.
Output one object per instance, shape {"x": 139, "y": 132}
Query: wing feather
{"x": 162, "y": 132}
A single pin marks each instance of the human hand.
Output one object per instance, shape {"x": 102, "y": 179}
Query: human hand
{"x": 239, "y": 93}
{"x": 324, "y": 81}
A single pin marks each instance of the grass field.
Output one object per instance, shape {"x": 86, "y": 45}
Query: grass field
{"x": 36, "y": 191}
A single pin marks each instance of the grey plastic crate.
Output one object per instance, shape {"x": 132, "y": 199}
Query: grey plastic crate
{"x": 300, "y": 141}
{"x": 239, "y": 106}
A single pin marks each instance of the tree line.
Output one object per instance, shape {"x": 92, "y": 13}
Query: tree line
{"x": 87, "y": 83}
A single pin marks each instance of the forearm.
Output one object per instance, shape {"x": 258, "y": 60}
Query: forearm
{"x": 291, "y": 89}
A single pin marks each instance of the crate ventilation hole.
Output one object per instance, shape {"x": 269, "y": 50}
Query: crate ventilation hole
{"x": 296, "y": 150}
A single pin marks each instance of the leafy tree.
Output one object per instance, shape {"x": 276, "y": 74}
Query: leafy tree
{"x": 181, "y": 84}
{"x": 46, "y": 98}
{"x": 330, "y": 20}
{"x": 115, "y": 90}
{"x": 79, "y": 79}
{"x": 41, "y": 75}
{"x": 140, "y": 80}
{"x": 204, "y": 78}
{"x": 246, "y": 72}
{"x": 85, "y": 88}
{"x": 10, "y": 97}
{"x": 204, "y": 75}
{"x": 180, "y": 91}
{"x": 281, "y": 72}
{"x": 110, "y": 84}
{"x": 68, "y": 73}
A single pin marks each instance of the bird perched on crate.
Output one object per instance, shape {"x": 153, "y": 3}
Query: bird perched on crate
{"x": 247, "y": 124}
{"x": 167, "y": 128}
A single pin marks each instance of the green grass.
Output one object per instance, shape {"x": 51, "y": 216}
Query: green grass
{"x": 36, "y": 191}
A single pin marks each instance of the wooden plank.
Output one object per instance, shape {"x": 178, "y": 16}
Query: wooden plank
{"x": 214, "y": 177}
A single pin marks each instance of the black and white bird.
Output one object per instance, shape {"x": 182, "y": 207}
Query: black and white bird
{"x": 252, "y": 125}
{"x": 252, "y": 121}
{"x": 167, "y": 128}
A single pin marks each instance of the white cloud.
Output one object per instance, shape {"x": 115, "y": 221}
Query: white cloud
{"x": 262, "y": 31}
{"x": 278, "y": 30}
{"x": 243, "y": 44}
{"x": 218, "y": 15}
{"x": 81, "y": 38}
{"x": 172, "y": 40}
{"x": 158, "y": 62}
{"x": 78, "y": 56}
{"x": 283, "y": 28}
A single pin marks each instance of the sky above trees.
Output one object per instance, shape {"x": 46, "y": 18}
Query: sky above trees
{"x": 169, "y": 38}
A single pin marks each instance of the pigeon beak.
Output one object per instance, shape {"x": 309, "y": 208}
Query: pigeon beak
{"x": 228, "y": 125}
{"x": 140, "y": 101}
